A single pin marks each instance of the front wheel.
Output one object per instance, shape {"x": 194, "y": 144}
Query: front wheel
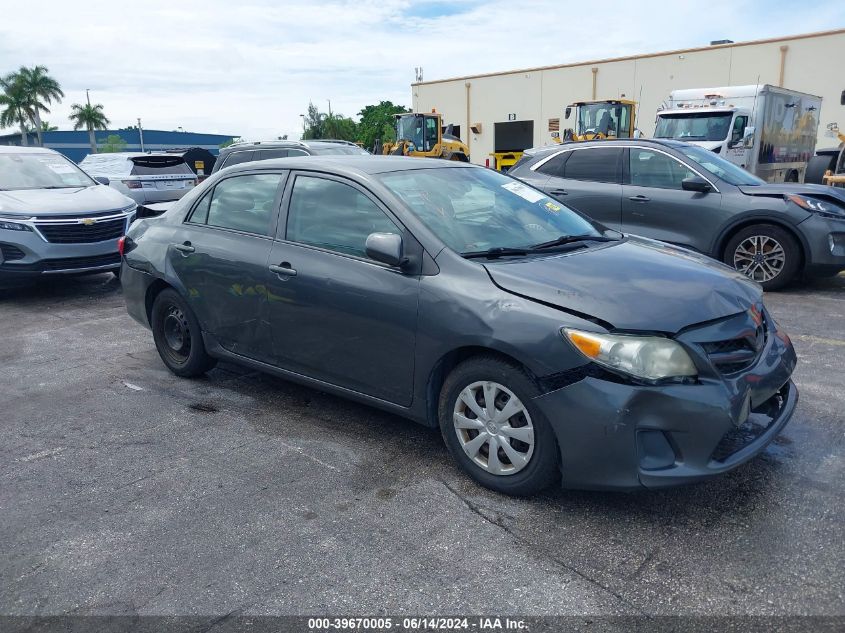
{"x": 178, "y": 337}
{"x": 493, "y": 429}
{"x": 765, "y": 253}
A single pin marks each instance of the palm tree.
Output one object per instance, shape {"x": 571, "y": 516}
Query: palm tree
{"x": 42, "y": 90}
{"x": 90, "y": 117}
{"x": 15, "y": 105}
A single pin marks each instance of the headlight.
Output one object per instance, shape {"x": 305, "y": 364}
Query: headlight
{"x": 649, "y": 357}
{"x": 822, "y": 207}
{"x": 13, "y": 226}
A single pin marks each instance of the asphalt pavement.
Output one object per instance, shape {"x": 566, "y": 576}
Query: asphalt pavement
{"x": 127, "y": 490}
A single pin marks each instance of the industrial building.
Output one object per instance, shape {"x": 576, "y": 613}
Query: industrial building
{"x": 75, "y": 144}
{"x": 517, "y": 109}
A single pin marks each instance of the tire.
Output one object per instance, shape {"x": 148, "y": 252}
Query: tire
{"x": 759, "y": 249}
{"x": 178, "y": 336}
{"x": 816, "y": 167}
{"x": 528, "y": 434}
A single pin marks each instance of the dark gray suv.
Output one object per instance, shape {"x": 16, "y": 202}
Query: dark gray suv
{"x": 263, "y": 150}
{"x": 685, "y": 195}
{"x": 544, "y": 346}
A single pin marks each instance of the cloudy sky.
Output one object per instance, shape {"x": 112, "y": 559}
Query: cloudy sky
{"x": 250, "y": 67}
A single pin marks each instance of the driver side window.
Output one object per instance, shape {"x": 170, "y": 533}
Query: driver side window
{"x": 738, "y": 130}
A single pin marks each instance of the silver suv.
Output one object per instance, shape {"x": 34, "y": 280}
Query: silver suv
{"x": 145, "y": 177}
{"x": 56, "y": 219}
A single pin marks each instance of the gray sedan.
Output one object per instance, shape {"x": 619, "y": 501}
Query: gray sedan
{"x": 545, "y": 347}
{"x": 685, "y": 195}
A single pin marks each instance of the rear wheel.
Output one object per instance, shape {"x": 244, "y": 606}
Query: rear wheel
{"x": 493, "y": 429}
{"x": 765, "y": 253}
{"x": 178, "y": 337}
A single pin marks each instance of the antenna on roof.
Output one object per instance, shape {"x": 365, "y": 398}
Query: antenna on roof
{"x": 418, "y": 73}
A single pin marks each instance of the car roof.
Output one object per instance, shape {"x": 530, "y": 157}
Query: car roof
{"x": 535, "y": 151}
{"x": 243, "y": 145}
{"x": 17, "y": 149}
{"x": 351, "y": 164}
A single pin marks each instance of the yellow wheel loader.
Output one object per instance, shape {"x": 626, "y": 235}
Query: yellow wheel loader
{"x": 422, "y": 135}
{"x": 599, "y": 120}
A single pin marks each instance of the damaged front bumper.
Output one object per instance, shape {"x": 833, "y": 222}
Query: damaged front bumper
{"x": 618, "y": 435}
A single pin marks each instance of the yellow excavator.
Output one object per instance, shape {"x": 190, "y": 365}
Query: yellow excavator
{"x": 599, "y": 120}
{"x": 422, "y": 135}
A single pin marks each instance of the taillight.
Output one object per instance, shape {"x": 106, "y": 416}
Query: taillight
{"x": 132, "y": 184}
{"x": 121, "y": 244}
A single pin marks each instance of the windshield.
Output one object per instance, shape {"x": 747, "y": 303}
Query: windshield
{"x": 694, "y": 126}
{"x": 410, "y": 128}
{"x": 40, "y": 171}
{"x": 719, "y": 167}
{"x": 604, "y": 118}
{"x": 475, "y": 210}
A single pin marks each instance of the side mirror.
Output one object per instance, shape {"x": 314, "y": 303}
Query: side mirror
{"x": 748, "y": 137}
{"x": 385, "y": 248}
{"x": 102, "y": 180}
{"x": 695, "y": 183}
{"x": 567, "y": 112}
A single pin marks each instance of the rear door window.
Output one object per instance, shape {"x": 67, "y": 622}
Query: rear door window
{"x": 265, "y": 154}
{"x": 554, "y": 166}
{"x": 237, "y": 157}
{"x": 596, "y": 164}
{"x": 242, "y": 203}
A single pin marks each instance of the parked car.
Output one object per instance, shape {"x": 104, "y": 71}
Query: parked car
{"x": 686, "y": 195}
{"x": 55, "y": 219}
{"x": 144, "y": 177}
{"x": 543, "y": 345}
{"x": 246, "y": 151}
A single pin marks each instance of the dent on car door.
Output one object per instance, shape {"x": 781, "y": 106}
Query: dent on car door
{"x": 589, "y": 180}
{"x": 655, "y": 205}
{"x": 335, "y": 314}
{"x": 220, "y": 257}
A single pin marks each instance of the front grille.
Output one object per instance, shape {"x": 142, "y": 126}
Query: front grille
{"x": 734, "y": 355}
{"x": 78, "y": 233}
{"x": 74, "y": 263}
{"x": 11, "y": 252}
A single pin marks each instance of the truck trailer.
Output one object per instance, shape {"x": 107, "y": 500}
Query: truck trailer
{"x": 768, "y": 130}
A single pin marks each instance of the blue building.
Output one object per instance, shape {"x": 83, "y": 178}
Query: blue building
{"x": 75, "y": 145}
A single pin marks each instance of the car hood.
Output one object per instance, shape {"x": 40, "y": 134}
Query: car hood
{"x": 636, "y": 284}
{"x": 708, "y": 145}
{"x": 778, "y": 190}
{"x": 44, "y": 202}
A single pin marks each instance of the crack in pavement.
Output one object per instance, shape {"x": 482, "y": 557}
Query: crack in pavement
{"x": 475, "y": 509}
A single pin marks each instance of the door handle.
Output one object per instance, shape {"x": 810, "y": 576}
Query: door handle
{"x": 283, "y": 271}
{"x": 558, "y": 192}
{"x": 185, "y": 248}
{"x": 639, "y": 198}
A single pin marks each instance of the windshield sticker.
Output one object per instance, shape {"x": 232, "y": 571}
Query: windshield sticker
{"x": 60, "y": 169}
{"x": 526, "y": 193}
{"x": 551, "y": 207}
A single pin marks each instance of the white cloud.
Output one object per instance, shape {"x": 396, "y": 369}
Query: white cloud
{"x": 251, "y": 67}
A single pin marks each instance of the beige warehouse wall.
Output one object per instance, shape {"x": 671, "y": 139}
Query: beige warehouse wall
{"x": 811, "y": 64}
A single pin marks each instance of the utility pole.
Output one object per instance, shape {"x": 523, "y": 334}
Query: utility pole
{"x": 88, "y": 97}
{"x": 141, "y": 133}
{"x": 303, "y": 126}
{"x": 330, "y": 116}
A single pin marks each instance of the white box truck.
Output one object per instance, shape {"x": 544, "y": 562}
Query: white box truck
{"x": 769, "y": 131}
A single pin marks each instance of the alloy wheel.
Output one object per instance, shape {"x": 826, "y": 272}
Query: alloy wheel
{"x": 760, "y": 257}
{"x": 494, "y": 428}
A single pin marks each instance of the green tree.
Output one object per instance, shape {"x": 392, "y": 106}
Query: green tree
{"x": 41, "y": 90}
{"x": 46, "y": 126}
{"x": 90, "y": 117}
{"x": 15, "y": 105}
{"x": 231, "y": 141}
{"x": 377, "y": 123}
{"x": 314, "y": 123}
{"x": 112, "y": 143}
